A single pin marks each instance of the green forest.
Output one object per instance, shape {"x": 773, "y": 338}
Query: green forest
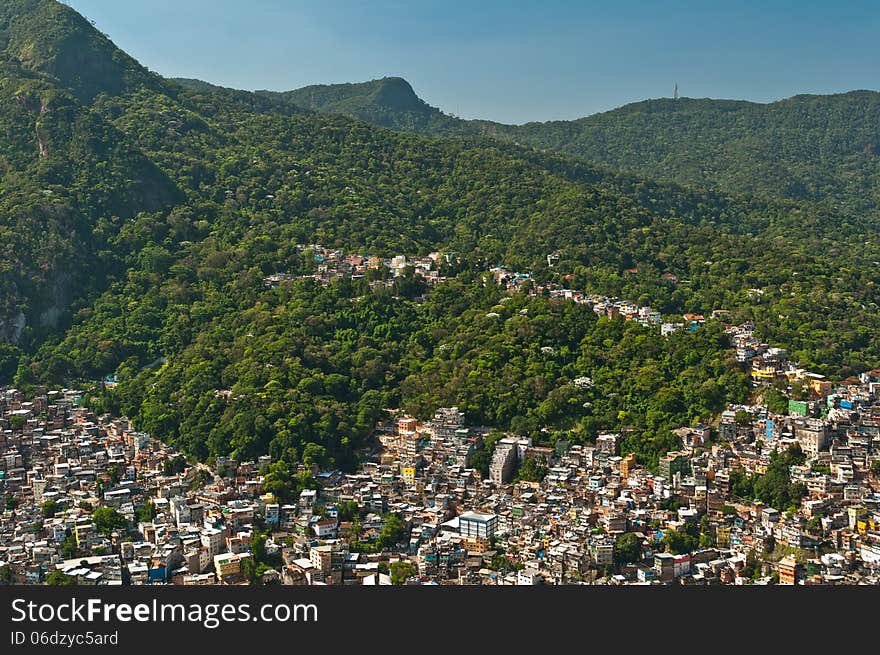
{"x": 140, "y": 215}
{"x": 820, "y": 149}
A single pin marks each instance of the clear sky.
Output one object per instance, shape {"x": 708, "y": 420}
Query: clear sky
{"x": 509, "y": 60}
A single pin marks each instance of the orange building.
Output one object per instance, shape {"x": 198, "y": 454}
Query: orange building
{"x": 788, "y": 570}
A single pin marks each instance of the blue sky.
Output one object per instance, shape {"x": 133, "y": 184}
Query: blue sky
{"x": 510, "y": 61}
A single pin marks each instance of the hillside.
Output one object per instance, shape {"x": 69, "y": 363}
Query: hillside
{"x": 53, "y": 41}
{"x": 68, "y": 177}
{"x": 173, "y": 201}
{"x": 389, "y": 102}
{"x": 816, "y": 148}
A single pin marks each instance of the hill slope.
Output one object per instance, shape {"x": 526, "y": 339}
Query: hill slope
{"x": 389, "y": 102}
{"x": 815, "y": 148}
{"x": 68, "y": 177}
{"x": 806, "y": 147}
{"x": 171, "y": 203}
{"x": 53, "y": 41}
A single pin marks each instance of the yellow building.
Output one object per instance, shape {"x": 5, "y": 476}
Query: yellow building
{"x": 764, "y": 373}
{"x": 476, "y": 544}
{"x": 228, "y": 565}
{"x": 627, "y": 464}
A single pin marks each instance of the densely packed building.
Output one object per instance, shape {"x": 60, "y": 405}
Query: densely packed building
{"x": 331, "y": 263}
{"x": 92, "y": 500}
{"x": 595, "y": 516}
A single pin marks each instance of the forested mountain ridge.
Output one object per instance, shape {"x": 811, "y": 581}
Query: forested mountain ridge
{"x": 186, "y": 196}
{"x": 53, "y": 41}
{"x": 388, "y": 102}
{"x": 68, "y": 177}
{"x": 808, "y": 147}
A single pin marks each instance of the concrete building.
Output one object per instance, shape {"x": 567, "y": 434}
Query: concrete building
{"x": 477, "y": 524}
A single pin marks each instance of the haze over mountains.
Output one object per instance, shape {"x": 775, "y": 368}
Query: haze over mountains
{"x": 139, "y": 217}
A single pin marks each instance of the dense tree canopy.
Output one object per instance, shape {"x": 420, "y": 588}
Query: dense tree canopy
{"x": 774, "y": 487}
{"x": 816, "y": 148}
{"x": 627, "y": 548}
{"x": 139, "y": 218}
{"x": 108, "y": 520}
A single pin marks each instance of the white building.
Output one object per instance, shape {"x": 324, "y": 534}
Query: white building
{"x": 477, "y": 524}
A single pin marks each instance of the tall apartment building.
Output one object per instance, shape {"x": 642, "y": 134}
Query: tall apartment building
{"x": 408, "y": 441}
{"x": 477, "y": 524}
{"x": 503, "y": 460}
{"x": 673, "y": 462}
{"x": 447, "y": 423}
{"x": 609, "y": 444}
{"x": 812, "y": 435}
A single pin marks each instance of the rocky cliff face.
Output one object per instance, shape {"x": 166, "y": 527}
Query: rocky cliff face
{"x": 11, "y": 327}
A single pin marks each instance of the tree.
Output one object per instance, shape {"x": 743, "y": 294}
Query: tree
{"x": 752, "y": 568}
{"x": 501, "y": 563}
{"x": 392, "y": 532}
{"x": 408, "y": 284}
{"x": 481, "y": 459}
{"x": 776, "y": 401}
{"x": 174, "y": 466}
{"x": 774, "y": 486}
{"x": 706, "y": 538}
{"x": 400, "y": 571}
{"x": 315, "y": 455}
{"x": 16, "y": 423}
{"x": 814, "y": 524}
{"x": 115, "y": 472}
{"x": 742, "y": 417}
{"x": 49, "y": 508}
{"x": 627, "y": 548}
{"x": 258, "y": 547}
{"x": 279, "y": 481}
{"x": 58, "y": 579}
{"x": 531, "y": 470}
{"x": 678, "y": 542}
{"x": 347, "y": 510}
{"x": 24, "y": 376}
{"x": 249, "y": 570}
{"x": 9, "y": 360}
{"x": 356, "y": 531}
{"x": 69, "y": 548}
{"x": 201, "y": 478}
{"x": 147, "y": 512}
{"x": 108, "y": 519}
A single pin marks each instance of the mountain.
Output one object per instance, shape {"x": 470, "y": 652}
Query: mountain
{"x": 142, "y": 221}
{"x": 390, "y": 94}
{"x": 816, "y": 148}
{"x": 197, "y": 85}
{"x": 69, "y": 178}
{"x": 389, "y": 102}
{"x": 55, "y": 42}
